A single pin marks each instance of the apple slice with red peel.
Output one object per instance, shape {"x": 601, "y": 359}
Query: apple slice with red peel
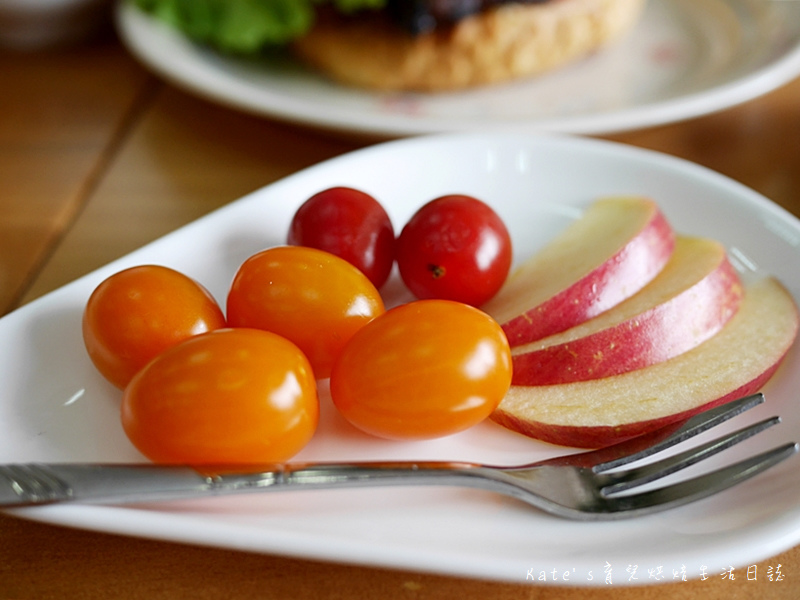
{"x": 691, "y": 299}
{"x": 617, "y": 246}
{"x": 735, "y": 362}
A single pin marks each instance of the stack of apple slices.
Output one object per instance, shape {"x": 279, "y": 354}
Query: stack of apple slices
{"x": 645, "y": 330}
{"x": 693, "y": 296}
{"x": 606, "y": 256}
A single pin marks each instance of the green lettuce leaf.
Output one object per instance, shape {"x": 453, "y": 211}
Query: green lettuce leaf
{"x": 245, "y": 26}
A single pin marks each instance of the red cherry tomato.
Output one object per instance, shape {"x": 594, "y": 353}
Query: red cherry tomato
{"x": 422, "y": 370}
{"x": 136, "y": 314}
{"x": 313, "y": 298}
{"x": 454, "y": 248}
{"x": 231, "y": 396}
{"x": 350, "y": 224}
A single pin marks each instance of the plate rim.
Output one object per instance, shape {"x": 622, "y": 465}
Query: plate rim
{"x": 130, "y": 22}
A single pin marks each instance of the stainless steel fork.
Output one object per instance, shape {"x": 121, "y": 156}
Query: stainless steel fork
{"x": 584, "y": 486}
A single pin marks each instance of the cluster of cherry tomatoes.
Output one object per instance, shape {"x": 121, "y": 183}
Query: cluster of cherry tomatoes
{"x": 455, "y": 247}
{"x": 202, "y": 386}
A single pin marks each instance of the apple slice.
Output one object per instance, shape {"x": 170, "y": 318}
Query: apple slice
{"x": 616, "y": 247}
{"x": 691, "y": 299}
{"x": 735, "y": 362}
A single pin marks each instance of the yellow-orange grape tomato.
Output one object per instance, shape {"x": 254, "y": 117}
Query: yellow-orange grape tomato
{"x": 137, "y": 313}
{"x": 311, "y": 297}
{"x": 422, "y": 370}
{"x": 231, "y": 396}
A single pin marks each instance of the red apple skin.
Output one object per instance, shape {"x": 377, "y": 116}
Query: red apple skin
{"x": 622, "y": 275}
{"x": 736, "y": 362}
{"x": 656, "y": 335}
{"x": 602, "y": 436}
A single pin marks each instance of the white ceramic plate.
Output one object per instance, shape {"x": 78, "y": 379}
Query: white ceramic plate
{"x": 686, "y": 58}
{"x": 55, "y": 407}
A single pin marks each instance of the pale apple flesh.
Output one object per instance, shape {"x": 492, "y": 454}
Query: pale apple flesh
{"x": 690, "y": 300}
{"x": 737, "y": 361}
{"x": 616, "y": 247}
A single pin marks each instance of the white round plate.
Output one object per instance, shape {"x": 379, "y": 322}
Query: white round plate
{"x": 686, "y": 58}
{"x": 55, "y": 407}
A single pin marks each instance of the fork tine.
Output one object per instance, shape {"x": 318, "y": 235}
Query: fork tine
{"x": 692, "y": 427}
{"x": 625, "y": 480}
{"x": 700, "y": 487}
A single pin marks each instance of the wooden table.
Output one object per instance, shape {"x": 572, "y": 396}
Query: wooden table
{"x": 98, "y": 157}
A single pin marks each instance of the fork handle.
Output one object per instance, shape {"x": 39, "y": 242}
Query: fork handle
{"x": 45, "y": 483}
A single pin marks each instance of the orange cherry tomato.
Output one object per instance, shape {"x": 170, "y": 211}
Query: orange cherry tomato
{"x": 136, "y": 314}
{"x": 311, "y": 297}
{"x": 422, "y": 370}
{"x": 230, "y": 396}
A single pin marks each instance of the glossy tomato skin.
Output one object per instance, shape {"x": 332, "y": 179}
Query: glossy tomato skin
{"x": 232, "y": 396}
{"x": 424, "y": 369}
{"x": 350, "y": 224}
{"x": 311, "y": 297}
{"x": 455, "y": 247}
{"x": 136, "y": 314}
